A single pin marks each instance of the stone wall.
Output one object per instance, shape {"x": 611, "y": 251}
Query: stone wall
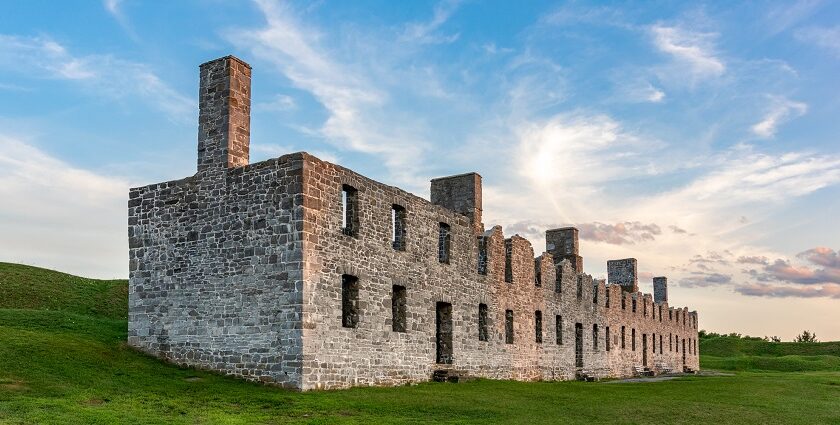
{"x": 216, "y": 271}
{"x": 373, "y": 354}
{"x": 286, "y": 272}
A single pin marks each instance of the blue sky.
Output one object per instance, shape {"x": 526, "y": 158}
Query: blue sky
{"x": 701, "y": 139}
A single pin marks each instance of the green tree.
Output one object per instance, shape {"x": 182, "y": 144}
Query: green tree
{"x": 806, "y": 336}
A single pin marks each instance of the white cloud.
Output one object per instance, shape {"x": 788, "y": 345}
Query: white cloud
{"x": 638, "y": 91}
{"x": 579, "y": 152}
{"x": 112, "y": 6}
{"x": 783, "y": 15}
{"x": 425, "y": 32}
{"x": 360, "y": 114}
{"x": 779, "y": 110}
{"x": 280, "y": 102}
{"x": 60, "y": 216}
{"x": 105, "y": 75}
{"x": 825, "y": 38}
{"x": 693, "y": 52}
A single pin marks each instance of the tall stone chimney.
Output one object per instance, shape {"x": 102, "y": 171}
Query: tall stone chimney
{"x": 625, "y": 273}
{"x": 660, "y": 289}
{"x": 224, "y": 117}
{"x": 460, "y": 193}
{"x": 563, "y": 244}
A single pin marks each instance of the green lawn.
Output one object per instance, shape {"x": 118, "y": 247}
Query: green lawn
{"x": 60, "y": 366}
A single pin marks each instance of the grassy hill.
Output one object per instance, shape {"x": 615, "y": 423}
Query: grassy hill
{"x": 734, "y": 353}
{"x": 27, "y": 287}
{"x": 63, "y": 360}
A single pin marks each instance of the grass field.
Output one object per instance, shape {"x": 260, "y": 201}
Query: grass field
{"x": 61, "y": 366}
{"x": 731, "y": 353}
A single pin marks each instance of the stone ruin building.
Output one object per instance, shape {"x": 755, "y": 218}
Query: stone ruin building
{"x": 301, "y": 273}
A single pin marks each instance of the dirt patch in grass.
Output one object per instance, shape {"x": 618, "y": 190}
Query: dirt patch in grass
{"x": 95, "y": 402}
{"x": 13, "y": 385}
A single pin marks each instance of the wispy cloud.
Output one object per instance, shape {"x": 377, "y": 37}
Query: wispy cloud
{"x": 280, "y": 102}
{"x": 427, "y": 32}
{"x": 827, "y": 38}
{"x": 626, "y": 233}
{"x": 105, "y": 75}
{"x": 816, "y": 274}
{"x": 114, "y": 7}
{"x": 742, "y": 176}
{"x": 779, "y": 110}
{"x": 637, "y": 90}
{"x": 784, "y": 15}
{"x": 702, "y": 280}
{"x": 779, "y": 291}
{"x": 360, "y": 112}
{"x": 60, "y": 216}
{"x": 693, "y": 52}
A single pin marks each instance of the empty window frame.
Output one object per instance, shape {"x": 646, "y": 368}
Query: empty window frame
{"x": 623, "y": 344}
{"x": 653, "y": 345}
{"x": 660, "y": 343}
{"x": 508, "y": 326}
{"x": 444, "y": 242}
{"x": 660, "y": 313}
{"x": 595, "y": 294}
{"x": 607, "y": 298}
{"x": 537, "y": 272}
{"x": 623, "y": 302}
{"x": 595, "y": 337}
{"x": 538, "y": 334}
{"x": 398, "y": 227}
{"x": 579, "y": 288}
{"x": 671, "y": 342}
{"x": 349, "y": 301}
{"x": 483, "y": 334}
{"x": 644, "y": 308}
{"x": 633, "y": 303}
{"x": 607, "y": 337}
{"x": 398, "y": 309}
{"x": 349, "y": 210}
{"x": 482, "y": 255}
{"x": 558, "y": 329}
{"x": 508, "y": 261}
{"x": 633, "y": 339}
{"x": 670, "y": 315}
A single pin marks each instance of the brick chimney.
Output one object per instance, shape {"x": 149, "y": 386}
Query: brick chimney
{"x": 625, "y": 273}
{"x": 224, "y": 117}
{"x": 564, "y": 244}
{"x": 460, "y": 193}
{"x": 660, "y": 289}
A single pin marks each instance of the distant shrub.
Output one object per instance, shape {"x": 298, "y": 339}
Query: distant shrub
{"x": 806, "y": 336}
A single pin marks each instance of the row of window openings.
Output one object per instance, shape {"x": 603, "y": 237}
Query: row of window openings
{"x": 692, "y": 343}
{"x": 349, "y": 200}
{"x": 350, "y": 224}
{"x": 350, "y": 319}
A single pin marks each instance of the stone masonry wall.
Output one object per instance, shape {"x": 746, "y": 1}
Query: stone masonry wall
{"x": 373, "y": 354}
{"x": 216, "y": 271}
{"x": 242, "y": 269}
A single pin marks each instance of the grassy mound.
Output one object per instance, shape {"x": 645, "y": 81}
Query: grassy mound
{"x": 748, "y": 354}
{"x": 728, "y": 346}
{"x": 28, "y": 287}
